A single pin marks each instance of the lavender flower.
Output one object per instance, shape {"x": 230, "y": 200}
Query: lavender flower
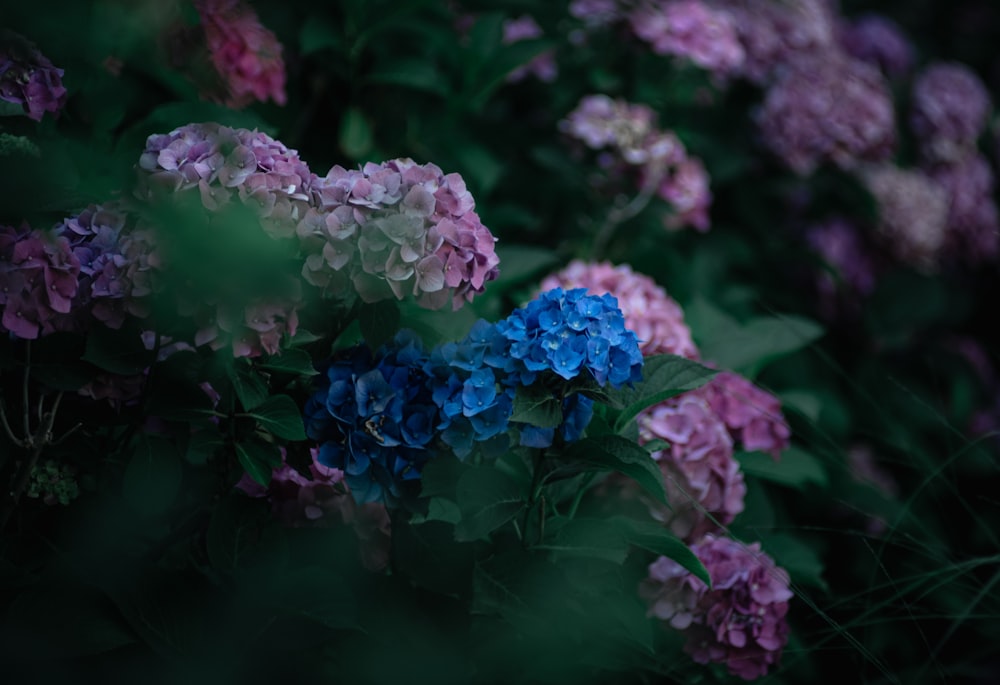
{"x": 655, "y": 318}
{"x": 877, "y": 40}
{"x": 28, "y": 78}
{"x": 691, "y": 30}
{"x": 752, "y": 415}
{"x": 950, "y": 110}
{"x": 245, "y": 54}
{"x": 741, "y": 621}
{"x": 705, "y": 487}
{"x": 973, "y": 233}
{"x": 828, "y": 108}
{"x": 913, "y": 214}
{"x": 394, "y": 230}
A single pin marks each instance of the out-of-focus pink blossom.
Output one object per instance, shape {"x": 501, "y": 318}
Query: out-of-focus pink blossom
{"x": 751, "y": 414}
{"x": 951, "y": 107}
{"x": 246, "y": 55}
{"x": 973, "y": 233}
{"x": 692, "y": 30}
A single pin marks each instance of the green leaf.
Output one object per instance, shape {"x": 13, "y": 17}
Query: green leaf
{"x": 536, "y": 406}
{"x": 615, "y": 453}
{"x": 440, "y": 509}
{"x": 379, "y": 322}
{"x": 281, "y": 417}
{"x": 118, "y": 351}
{"x": 412, "y": 73}
{"x": 153, "y": 476}
{"x": 356, "y": 139}
{"x": 588, "y": 537}
{"x": 748, "y": 347}
{"x": 480, "y": 166}
{"x": 259, "y": 459}
{"x": 250, "y": 388}
{"x": 659, "y": 540}
{"x": 488, "y": 499}
{"x": 795, "y": 469}
{"x": 520, "y": 264}
{"x": 292, "y": 361}
{"x": 202, "y": 446}
{"x": 664, "y": 376}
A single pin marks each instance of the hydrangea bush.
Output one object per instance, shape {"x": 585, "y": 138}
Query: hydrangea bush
{"x": 360, "y": 341}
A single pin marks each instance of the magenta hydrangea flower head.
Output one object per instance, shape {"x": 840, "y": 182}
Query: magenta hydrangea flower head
{"x": 777, "y": 33}
{"x": 38, "y": 280}
{"x": 828, "y": 108}
{"x": 225, "y": 165}
{"x": 28, "y": 78}
{"x": 751, "y": 414}
{"x": 951, "y": 107}
{"x": 913, "y": 214}
{"x": 705, "y": 487}
{"x": 973, "y": 233}
{"x": 395, "y": 230}
{"x": 691, "y": 30}
{"x": 877, "y": 40}
{"x": 246, "y": 55}
{"x": 655, "y": 318}
{"x": 741, "y": 621}
{"x": 543, "y": 66}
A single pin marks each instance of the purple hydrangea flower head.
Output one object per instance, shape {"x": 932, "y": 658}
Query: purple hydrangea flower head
{"x": 705, "y": 487}
{"x": 601, "y": 122}
{"x": 28, "y": 78}
{"x": 950, "y": 109}
{"x": 246, "y": 55}
{"x": 395, "y": 230}
{"x": 913, "y": 214}
{"x": 655, "y": 317}
{"x": 741, "y": 621}
{"x": 973, "y": 233}
{"x": 828, "y": 108}
{"x": 38, "y": 280}
{"x": 877, "y": 40}
{"x": 691, "y": 30}
{"x": 226, "y": 164}
{"x": 543, "y": 66}
{"x": 374, "y": 417}
{"x": 751, "y": 414}
{"x": 777, "y": 33}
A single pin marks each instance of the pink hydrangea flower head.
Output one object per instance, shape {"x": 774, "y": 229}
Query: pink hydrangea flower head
{"x": 973, "y": 233}
{"x": 913, "y": 214}
{"x": 686, "y": 187}
{"x": 649, "y": 311}
{"x": 777, "y": 33}
{"x": 246, "y": 55}
{"x": 877, "y": 40}
{"x": 543, "y": 66}
{"x": 828, "y": 108}
{"x": 38, "y": 280}
{"x": 691, "y": 30}
{"x": 600, "y": 122}
{"x": 950, "y": 109}
{"x": 751, "y": 414}
{"x": 741, "y": 622}
{"x": 28, "y": 78}
{"x": 395, "y": 230}
{"x": 705, "y": 486}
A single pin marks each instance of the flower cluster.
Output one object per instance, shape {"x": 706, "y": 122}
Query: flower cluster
{"x": 828, "y": 108}
{"x": 973, "y": 233}
{"x": 246, "y": 55}
{"x": 630, "y": 142}
{"x": 752, "y": 415}
{"x": 950, "y": 110}
{"x": 741, "y": 621}
{"x": 913, "y": 214}
{"x": 28, "y": 78}
{"x": 877, "y": 40}
{"x": 374, "y": 417}
{"x": 692, "y": 30}
{"x": 543, "y": 66}
{"x": 649, "y": 311}
{"x": 704, "y": 483}
{"x": 322, "y": 499}
{"x": 397, "y": 229}
{"x": 38, "y": 280}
